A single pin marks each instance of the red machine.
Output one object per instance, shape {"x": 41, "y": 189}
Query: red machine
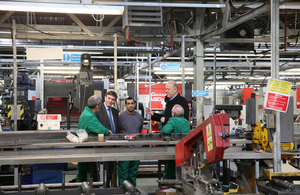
{"x": 214, "y": 132}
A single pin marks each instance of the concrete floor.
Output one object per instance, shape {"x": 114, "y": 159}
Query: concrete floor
{"x": 149, "y": 185}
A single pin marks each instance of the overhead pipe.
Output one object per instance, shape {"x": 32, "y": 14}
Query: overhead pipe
{"x": 15, "y": 75}
{"x": 182, "y": 5}
{"x": 132, "y": 40}
{"x": 285, "y": 31}
{"x": 171, "y": 38}
{"x": 171, "y": 32}
{"x": 115, "y": 63}
{"x": 171, "y": 29}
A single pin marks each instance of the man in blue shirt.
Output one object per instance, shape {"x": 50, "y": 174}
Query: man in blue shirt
{"x": 109, "y": 118}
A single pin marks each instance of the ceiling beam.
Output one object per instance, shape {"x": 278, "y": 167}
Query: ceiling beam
{"x": 238, "y": 40}
{"x": 169, "y": 54}
{"x": 82, "y": 26}
{"x": 7, "y": 15}
{"x": 237, "y": 22}
{"x": 109, "y": 26}
{"x": 86, "y": 37}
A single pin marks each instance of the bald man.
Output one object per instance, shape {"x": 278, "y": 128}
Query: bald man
{"x": 176, "y": 124}
{"x": 172, "y": 98}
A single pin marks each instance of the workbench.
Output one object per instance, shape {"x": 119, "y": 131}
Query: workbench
{"x": 34, "y": 147}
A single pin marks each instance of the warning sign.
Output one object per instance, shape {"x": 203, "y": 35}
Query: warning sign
{"x": 209, "y": 138}
{"x": 48, "y": 117}
{"x": 278, "y": 86}
{"x": 277, "y": 95}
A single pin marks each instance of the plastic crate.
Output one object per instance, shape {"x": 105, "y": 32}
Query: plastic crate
{"x": 47, "y": 176}
{"x": 26, "y": 179}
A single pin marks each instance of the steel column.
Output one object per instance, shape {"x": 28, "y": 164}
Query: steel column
{"x": 15, "y": 73}
{"x": 183, "y": 64}
{"x": 150, "y": 87}
{"x": 42, "y": 83}
{"x": 199, "y": 66}
{"x": 137, "y": 83}
{"x": 275, "y": 75}
{"x": 115, "y": 62}
{"x": 215, "y": 82}
{"x": 256, "y": 174}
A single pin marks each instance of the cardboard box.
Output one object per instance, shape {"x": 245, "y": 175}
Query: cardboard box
{"x": 165, "y": 192}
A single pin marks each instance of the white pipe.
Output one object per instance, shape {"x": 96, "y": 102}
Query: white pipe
{"x": 115, "y": 62}
{"x": 42, "y": 83}
{"x": 15, "y": 114}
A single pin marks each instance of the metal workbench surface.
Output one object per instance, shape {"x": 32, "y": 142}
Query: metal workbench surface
{"x": 34, "y": 147}
{"x": 36, "y": 156}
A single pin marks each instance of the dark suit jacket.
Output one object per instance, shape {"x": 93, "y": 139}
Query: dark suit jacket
{"x": 169, "y": 105}
{"x": 104, "y": 120}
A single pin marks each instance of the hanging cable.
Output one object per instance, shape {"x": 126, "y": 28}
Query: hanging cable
{"x": 262, "y": 84}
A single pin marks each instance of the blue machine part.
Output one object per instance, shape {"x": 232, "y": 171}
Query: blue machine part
{"x": 24, "y": 83}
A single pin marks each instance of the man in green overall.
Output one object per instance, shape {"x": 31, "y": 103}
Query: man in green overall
{"x": 90, "y": 123}
{"x": 176, "y": 124}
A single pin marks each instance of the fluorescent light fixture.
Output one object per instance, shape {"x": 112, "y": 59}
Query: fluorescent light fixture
{"x": 99, "y": 77}
{"x": 140, "y": 77}
{"x": 289, "y": 73}
{"x": 226, "y": 83}
{"x": 293, "y": 70}
{"x": 60, "y": 72}
{"x": 173, "y": 72}
{"x": 185, "y": 69}
{"x": 179, "y": 78}
{"x": 61, "y": 8}
{"x": 60, "y": 68}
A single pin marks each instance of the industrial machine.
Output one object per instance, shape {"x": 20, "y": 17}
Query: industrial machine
{"x": 84, "y": 83}
{"x": 25, "y": 106}
{"x": 262, "y": 124}
{"x": 69, "y": 98}
{"x": 196, "y": 155}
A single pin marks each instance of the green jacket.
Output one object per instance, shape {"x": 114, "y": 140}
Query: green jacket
{"x": 89, "y": 121}
{"x": 176, "y": 125}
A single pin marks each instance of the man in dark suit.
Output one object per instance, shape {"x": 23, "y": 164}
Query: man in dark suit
{"x": 172, "y": 98}
{"x": 109, "y": 118}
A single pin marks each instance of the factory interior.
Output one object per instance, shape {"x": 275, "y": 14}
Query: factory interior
{"x": 235, "y": 62}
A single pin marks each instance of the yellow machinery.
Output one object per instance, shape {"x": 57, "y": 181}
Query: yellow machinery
{"x": 261, "y": 139}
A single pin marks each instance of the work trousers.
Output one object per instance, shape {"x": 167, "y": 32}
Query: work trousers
{"x": 127, "y": 170}
{"x": 169, "y": 171}
{"x": 109, "y": 167}
{"x": 87, "y": 167}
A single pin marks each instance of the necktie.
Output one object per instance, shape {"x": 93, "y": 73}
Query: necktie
{"x": 111, "y": 121}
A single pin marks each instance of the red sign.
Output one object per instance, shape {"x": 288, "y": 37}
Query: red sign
{"x": 59, "y": 80}
{"x": 49, "y": 117}
{"x": 158, "y": 93}
{"x": 277, "y": 102}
